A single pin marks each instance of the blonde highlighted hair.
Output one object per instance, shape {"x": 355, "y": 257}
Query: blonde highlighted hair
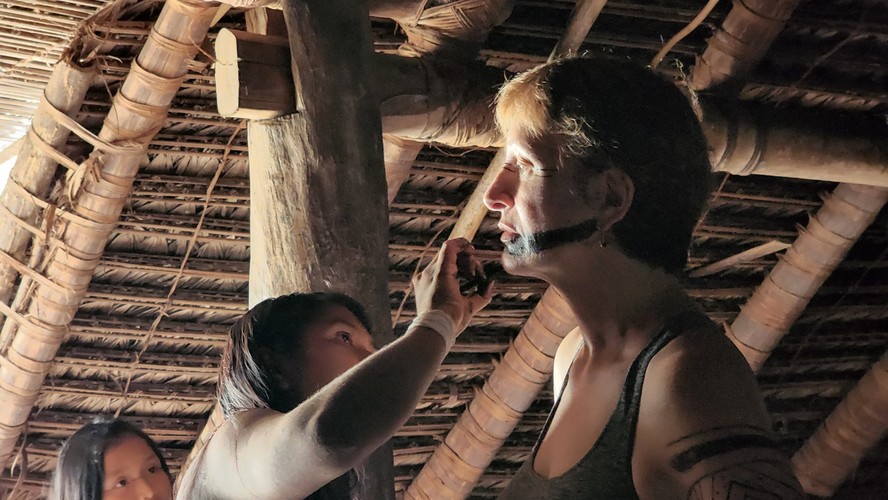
{"x": 608, "y": 113}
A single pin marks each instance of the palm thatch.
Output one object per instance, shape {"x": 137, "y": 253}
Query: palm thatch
{"x": 34, "y": 34}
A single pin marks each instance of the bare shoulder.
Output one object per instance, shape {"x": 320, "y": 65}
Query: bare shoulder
{"x": 702, "y": 373}
{"x": 218, "y": 474}
{"x": 703, "y": 429}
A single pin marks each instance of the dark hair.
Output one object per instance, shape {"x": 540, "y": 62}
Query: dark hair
{"x": 277, "y": 324}
{"x": 615, "y": 114}
{"x": 80, "y": 472}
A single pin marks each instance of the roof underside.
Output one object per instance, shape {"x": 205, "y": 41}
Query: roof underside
{"x": 147, "y": 337}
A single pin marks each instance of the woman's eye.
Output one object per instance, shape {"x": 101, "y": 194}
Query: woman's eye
{"x": 529, "y": 168}
{"x": 153, "y": 469}
{"x": 345, "y": 337}
{"x": 121, "y": 483}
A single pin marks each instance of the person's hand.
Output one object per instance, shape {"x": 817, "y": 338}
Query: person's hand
{"x": 437, "y": 287}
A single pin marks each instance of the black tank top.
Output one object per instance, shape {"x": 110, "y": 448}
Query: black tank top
{"x": 605, "y": 472}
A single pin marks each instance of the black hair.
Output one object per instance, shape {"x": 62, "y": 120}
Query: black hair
{"x": 276, "y": 324}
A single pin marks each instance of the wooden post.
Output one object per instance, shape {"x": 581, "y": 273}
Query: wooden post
{"x": 318, "y": 212}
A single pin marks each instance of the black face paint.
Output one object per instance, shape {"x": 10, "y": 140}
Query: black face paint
{"x": 546, "y": 240}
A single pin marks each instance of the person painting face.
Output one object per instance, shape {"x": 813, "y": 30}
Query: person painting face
{"x": 307, "y": 396}
{"x": 110, "y": 459}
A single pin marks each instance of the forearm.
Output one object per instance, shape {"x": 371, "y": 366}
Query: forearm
{"x": 361, "y": 409}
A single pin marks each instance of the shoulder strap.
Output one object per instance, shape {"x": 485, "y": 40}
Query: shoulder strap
{"x": 630, "y": 398}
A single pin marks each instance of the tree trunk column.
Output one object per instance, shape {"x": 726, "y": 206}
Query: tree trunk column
{"x": 319, "y": 211}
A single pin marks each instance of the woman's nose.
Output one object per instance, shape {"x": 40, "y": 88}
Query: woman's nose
{"x": 500, "y": 195}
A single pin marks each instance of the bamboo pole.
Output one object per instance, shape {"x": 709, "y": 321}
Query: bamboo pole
{"x": 820, "y": 247}
{"x": 35, "y": 168}
{"x": 98, "y": 189}
{"x": 740, "y": 43}
{"x": 749, "y": 140}
{"x": 859, "y": 422}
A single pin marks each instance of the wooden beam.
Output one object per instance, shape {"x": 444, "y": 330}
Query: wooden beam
{"x": 34, "y": 168}
{"x": 400, "y": 155}
{"x": 820, "y": 247}
{"x": 583, "y": 17}
{"x": 854, "y": 428}
{"x": 422, "y": 99}
{"x": 740, "y": 44}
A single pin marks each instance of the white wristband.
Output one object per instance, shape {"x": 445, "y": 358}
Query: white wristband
{"x": 440, "y": 322}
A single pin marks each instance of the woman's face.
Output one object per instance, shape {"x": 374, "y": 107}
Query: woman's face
{"x": 331, "y": 345}
{"x": 133, "y": 472}
{"x": 538, "y": 196}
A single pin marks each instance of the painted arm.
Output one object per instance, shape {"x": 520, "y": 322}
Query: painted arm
{"x": 340, "y": 425}
{"x": 703, "y": 430}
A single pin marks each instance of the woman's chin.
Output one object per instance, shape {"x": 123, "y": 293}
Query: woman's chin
{"x": 519, "y": 264}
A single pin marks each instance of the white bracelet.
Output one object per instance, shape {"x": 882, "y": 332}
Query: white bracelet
{"x": 440, "y": 322}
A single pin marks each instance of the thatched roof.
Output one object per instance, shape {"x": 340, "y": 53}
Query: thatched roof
{"x": 33, "y": 34}
{"x": 146, "y": 339}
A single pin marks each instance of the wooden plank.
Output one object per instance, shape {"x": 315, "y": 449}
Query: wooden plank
{"x": 754, "y": 253}
{"x": 253, "y": 75}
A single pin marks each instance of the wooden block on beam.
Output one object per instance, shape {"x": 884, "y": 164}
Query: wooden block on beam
{"x": 253, "y": 76}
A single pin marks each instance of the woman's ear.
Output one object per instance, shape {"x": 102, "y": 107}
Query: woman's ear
{"x": 619, "y": 191}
